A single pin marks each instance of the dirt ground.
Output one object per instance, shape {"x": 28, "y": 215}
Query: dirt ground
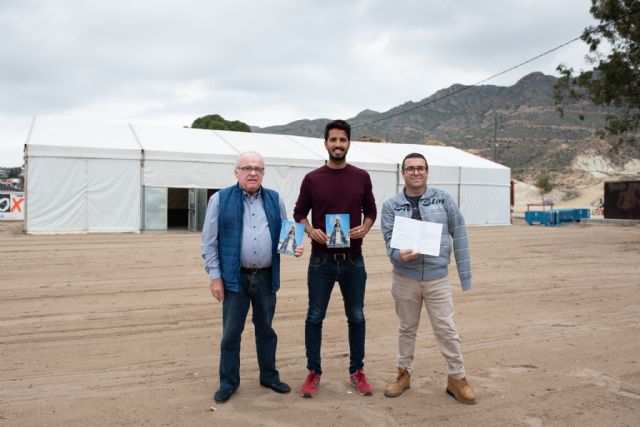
{"x": 111, "y": 329}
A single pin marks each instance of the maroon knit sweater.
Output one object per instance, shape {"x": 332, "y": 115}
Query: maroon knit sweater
{"x": 336, "y": 191}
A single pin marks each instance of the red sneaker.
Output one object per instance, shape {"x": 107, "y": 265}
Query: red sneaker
{"x": 359, "y": 381}
{"x": 310, "y": 386}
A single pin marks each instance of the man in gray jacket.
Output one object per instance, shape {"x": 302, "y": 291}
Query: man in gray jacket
{"x": 421, "y": 278}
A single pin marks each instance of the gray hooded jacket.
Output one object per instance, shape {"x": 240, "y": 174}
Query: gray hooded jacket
{"x": 435, "y": 206}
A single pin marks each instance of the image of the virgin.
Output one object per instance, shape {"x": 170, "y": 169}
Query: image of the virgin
{"x": 289, "y": 243}
{"x": 337, "y": 236}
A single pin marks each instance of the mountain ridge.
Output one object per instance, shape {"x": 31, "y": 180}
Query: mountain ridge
{"x": 518, "y": 126}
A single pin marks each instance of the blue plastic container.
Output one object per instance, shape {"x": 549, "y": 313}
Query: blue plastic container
{"x": 555, "y": 217}
{"x": 580, "y": 214}
{"x": 566, "y": 215}
{"x": 540, "y": 217}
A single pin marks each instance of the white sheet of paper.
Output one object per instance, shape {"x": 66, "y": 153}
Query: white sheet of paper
{"x": 422, "y": 236}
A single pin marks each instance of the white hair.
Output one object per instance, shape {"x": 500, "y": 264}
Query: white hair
{"x": 247, "y": 153}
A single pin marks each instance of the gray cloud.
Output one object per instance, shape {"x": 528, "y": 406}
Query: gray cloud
{"x": 264, "y": 63}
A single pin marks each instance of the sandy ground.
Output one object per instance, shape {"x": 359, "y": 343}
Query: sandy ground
{"x": 588, "y": 197}
{"x": 122, "y": 330}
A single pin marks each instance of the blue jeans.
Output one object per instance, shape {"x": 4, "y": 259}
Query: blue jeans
{"x": 351, "y": 275}
{"x": 256, "y": 291}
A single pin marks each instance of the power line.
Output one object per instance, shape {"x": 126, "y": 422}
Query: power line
{"x": 586, "y": 33}
{"x": 455, "y": 92}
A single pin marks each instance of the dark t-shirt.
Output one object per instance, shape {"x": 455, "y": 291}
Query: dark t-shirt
{"x": 336, "y": 191}
{"x": 415, "y": 209}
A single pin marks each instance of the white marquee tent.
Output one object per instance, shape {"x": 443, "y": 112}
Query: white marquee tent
{"x": 114, "y": 177}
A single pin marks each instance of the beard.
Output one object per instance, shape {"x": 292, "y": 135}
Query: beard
{"x": 339, "y": 158}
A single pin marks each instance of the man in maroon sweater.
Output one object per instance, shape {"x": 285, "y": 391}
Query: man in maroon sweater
{"x": 336, "y": 188}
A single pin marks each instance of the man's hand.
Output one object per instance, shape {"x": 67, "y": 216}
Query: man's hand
{"x": 358, "y": 232}
{"x": 319, "y": 236}
{"x": 408, "y": 254}
{"x": 217, "y": 289}
{"x": 299, "y": 251}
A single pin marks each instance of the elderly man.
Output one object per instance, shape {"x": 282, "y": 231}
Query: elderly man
{"x": 239, "y": 247}
{"x": 422, "y": 279}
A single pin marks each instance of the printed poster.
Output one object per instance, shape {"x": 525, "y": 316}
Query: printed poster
{"x": 338, "y": 230}
{"x": 291, "y": 234}
{"x": 12, "y": 205}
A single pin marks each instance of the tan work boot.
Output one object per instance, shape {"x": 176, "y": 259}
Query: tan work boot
{"x": 403, "y": 382}
{"x": 460, "y": 390}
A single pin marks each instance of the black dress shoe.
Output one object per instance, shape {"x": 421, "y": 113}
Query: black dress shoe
{"x": 223, "y": 394}
{"x": 278, "y": 387}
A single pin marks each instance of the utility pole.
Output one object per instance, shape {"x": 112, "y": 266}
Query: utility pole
{"x": 495, "y": 135}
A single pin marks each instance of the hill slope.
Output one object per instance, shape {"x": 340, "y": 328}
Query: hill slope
{"x": 517, "y": 126}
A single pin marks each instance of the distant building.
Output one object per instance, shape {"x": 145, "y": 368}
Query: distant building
{"x": 16, "y": 184}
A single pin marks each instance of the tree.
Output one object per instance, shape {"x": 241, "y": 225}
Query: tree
{"x": 544, "y": 184}
{"x": 217, "y": 122}
{"x": 614, "y": 80}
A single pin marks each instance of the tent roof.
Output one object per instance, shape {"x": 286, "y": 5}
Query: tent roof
{"x": 461, "y": 157}
{"x": 183, "y": 144}
{"x": 64, "y": 138}
{"x": 397, "y": 152}
{"x": 275, "y": 149}
{"x": 357, "y": 155}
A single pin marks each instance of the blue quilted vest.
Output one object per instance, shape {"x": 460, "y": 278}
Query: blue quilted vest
{"x": 230, "y": 215}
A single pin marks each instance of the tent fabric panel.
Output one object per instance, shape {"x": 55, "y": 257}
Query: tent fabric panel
{"x": 397, "y": 152}
{"x": 113, "y": 195}
{"x": 484, "y": 176}
{"x": 473, "y": 204}
{"x": 81, "y": 152}
{"x": 174, "y": 156}
{"x": 66, "y": 138}
{"x": 441, "y": 177}
{"x": 384, "y": 187}
{"x": 268, "y": 145}
{"x": 462, "y": 158}
{"x": 182, "y": 142}
{"x": 56, "y": 191}
{"x": 271, "y": 162}
{"x": 499, "y": 208}
{"x": 485, "y": 205}
{"x": 187, "y": 174}
{"x": 286, "y": 181}
{"x": 362, "y": 152}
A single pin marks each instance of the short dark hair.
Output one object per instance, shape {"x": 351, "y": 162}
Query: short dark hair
{"x": 415, "y": 156}
{"x": 337, "y": 124}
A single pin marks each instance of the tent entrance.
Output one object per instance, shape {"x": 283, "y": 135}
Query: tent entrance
{"x": 198, "y": 200}
{"x": 175, "y": 208}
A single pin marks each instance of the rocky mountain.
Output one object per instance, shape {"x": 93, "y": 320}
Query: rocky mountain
{"x": 517, "y": 126}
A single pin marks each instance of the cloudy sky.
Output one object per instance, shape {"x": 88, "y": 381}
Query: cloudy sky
{"x": 262, "y": 62}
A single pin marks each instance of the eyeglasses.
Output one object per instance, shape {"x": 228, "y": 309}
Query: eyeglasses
{"x": 249, "y": 169}
{"x": 414, "y": 169}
